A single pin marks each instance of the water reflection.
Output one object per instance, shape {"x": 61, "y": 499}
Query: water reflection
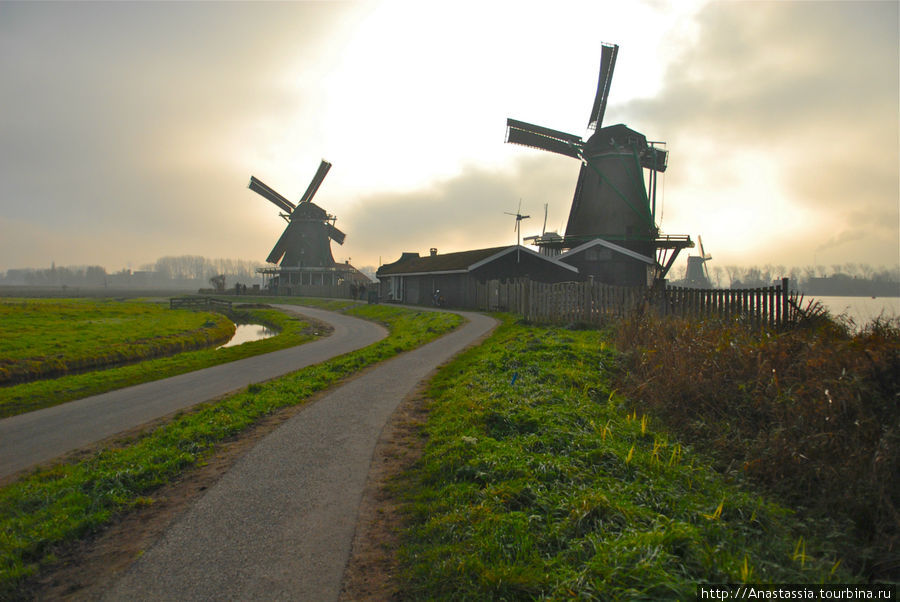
{"x": 245, "y": 333}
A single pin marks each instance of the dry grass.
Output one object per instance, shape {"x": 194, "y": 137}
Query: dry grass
{"x": 810, "y": 413}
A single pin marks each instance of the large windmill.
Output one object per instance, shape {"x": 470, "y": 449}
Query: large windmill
{"x": 612, "y": 200}
{"x": 306, "y": 241}
{"x": 304, "y": 248}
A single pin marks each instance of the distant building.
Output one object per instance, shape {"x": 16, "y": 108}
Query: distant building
{"x": 418, "y": 280}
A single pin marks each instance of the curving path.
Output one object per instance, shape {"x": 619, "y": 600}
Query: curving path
{"x": 279, "y": 525}
{"x": 35, "y": 437}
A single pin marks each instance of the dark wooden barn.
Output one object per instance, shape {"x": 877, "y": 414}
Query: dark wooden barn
{"x": 419, "y": 280}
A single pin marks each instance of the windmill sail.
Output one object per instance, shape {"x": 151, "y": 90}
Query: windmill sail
{"x": 535, "y": 136}
{"x": 335, "y": 234}
{"x": 607, "y": 66}
{"x": 281, "y": 246}
{"x": 266, "y": 192}
{"x": 324, "y": 166}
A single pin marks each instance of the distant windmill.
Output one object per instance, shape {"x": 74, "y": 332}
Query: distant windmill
{"x": 543, "y": 228}
{"x": 611, "y": 199}
{"x": 697, "y": 273}
{"x": 518, "y": 229}
{"x": 549, "y": 243}
{"x": 305, "y": 241}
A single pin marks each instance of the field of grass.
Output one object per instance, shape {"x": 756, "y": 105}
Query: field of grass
{"x": 41, "y": 338}
{"x": 69, "y": 501}
{"x": 26, "y": 397}
{"x": 538, "y": 481}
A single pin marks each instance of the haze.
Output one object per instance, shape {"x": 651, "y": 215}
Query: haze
{"x": 129, "y": 131}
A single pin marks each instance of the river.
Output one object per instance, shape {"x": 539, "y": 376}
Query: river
{"x": 860, "y": 309}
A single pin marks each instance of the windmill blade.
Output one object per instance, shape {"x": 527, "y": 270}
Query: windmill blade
{"x": 281, "y": 246}
{"x": 324, "y": 166}
{"x": 700, "y": 240}
{"x": 535, "y": 136}
{"x": 607, "y": 66}
{"x": 266, "y": 192}
{"x": 335, "y": 234}
{"x": 544, "y": 228}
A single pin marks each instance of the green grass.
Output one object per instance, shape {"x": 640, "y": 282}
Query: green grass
{"x": 69, "y": 501}
{"x": 537, "y": 482}
{"x": 27, "y": 397}
{"x": 40, "y": 338}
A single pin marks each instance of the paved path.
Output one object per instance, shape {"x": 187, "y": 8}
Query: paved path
{"x": 279, "y": 525}
{"x": 35, "y": 437}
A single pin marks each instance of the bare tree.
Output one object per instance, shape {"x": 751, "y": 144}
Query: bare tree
{"x": 717, "y": 272}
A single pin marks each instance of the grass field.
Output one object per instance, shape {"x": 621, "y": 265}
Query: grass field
{"x": 43, "y": 393}
{"x": 539, "y": 482}
{"x": 70, "y": 501}
{"x": 41, "y": 338}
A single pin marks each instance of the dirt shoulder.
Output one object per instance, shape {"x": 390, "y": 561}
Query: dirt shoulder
{"x": 372, "y": 572}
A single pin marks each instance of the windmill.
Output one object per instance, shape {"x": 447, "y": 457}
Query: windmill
{"x": 305, "y": 242}
{"x": 549, "y": 243}
{"x": 697, "y": 273}
{"x": 611, "y": 198}
{"x": 518, "y": 229}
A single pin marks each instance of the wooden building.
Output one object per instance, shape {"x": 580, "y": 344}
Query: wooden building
{"x": 451, "y": 277}
{"x": 610, "y": 263}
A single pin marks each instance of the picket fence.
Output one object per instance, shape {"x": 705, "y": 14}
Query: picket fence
{"x": 594, "y": 302}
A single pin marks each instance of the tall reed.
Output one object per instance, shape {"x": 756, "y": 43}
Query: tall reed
{"x": 810, "y": 413}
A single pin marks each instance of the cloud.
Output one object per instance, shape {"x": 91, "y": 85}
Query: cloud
{"x": 787, "y": 108}
{"x": 124, "y": 117}
{"x": 465, "y": 211}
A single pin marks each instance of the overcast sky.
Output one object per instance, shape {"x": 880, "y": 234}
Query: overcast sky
{"x": 129, "y": 131}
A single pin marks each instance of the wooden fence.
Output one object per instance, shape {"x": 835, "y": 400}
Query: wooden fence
{"x": 198, "y": 303}
{"x": 594, "y": 302}
{"x": 771, "y": 306}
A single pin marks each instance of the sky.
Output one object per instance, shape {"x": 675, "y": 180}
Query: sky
{"x": 129, "y": 131}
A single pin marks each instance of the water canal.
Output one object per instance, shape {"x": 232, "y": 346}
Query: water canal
{"x": 246, "y": 333}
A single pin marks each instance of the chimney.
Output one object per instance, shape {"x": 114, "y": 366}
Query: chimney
{"x": 433, "y": 251}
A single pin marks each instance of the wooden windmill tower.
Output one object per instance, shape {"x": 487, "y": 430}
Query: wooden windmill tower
{"x": 614, "y": 200}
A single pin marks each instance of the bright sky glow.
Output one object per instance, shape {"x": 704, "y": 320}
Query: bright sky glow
{"x": 130, "y": 130}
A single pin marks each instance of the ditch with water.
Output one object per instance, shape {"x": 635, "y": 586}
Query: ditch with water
{"x": 246, "y": 333}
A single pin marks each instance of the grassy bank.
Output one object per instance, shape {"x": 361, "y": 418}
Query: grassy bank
{"x": 812, "y": 414}
{"x": 26, "y": 397}
{"x": 40, "y": 512}
{"x": 539, "y": 481}
{"x": 42, "y": 338}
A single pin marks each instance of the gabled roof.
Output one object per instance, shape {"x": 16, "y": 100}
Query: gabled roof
{"x": 605, "y": 243}
{"x": 457, "y": 263}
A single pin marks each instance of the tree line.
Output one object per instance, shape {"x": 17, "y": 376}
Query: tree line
{"x": 809, "y": 278}
{"x": 192, "y": 270}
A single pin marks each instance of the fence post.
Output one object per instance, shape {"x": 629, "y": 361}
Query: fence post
{"x": 784, "y": 300}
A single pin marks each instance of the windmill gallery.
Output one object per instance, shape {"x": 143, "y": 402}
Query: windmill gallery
{"x": 611, "y": 235}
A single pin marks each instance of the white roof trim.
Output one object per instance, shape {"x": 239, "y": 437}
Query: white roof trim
{"x": 507, "y": 250}
{"x": 609, "y": 245}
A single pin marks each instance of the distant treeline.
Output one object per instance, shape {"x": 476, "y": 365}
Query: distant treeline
{"x": 184, "y": 271}
{"x": 848, "y": 279}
